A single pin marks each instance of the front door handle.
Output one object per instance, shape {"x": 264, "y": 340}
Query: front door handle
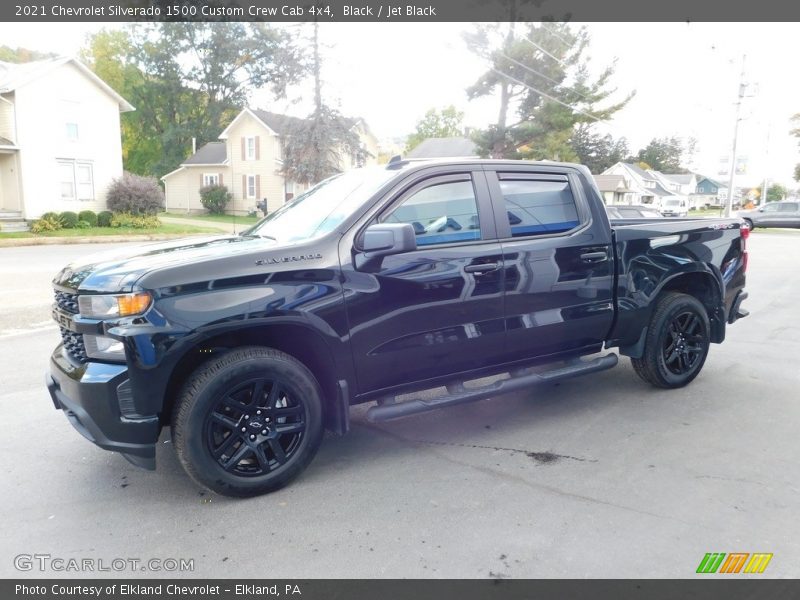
{"x": 592, "y": 257}
{"x": 482, "y": 268}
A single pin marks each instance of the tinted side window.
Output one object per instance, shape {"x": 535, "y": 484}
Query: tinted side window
{"x": 788, "y": 207}
{"x": 538, "y": 207}
{"x": 771, "y": 208}
{"x": 443, "y": 213}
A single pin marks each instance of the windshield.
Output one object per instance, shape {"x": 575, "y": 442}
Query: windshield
{"x": 672, "y": 203}
{"x": 323, "y": 207}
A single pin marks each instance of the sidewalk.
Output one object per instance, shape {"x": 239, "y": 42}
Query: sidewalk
{"x": 96, "y": 239}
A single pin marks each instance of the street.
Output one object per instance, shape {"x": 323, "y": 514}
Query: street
{"x": 601, "y": 476}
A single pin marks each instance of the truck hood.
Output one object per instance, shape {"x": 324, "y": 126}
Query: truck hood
{"x": 119, "y": 269}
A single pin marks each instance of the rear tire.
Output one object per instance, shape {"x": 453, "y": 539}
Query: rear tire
{"x": 677, "y": 342}
{"x": 248, "y": 422}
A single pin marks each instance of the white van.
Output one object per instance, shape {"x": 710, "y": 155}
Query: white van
{"x": 675, "y": 207}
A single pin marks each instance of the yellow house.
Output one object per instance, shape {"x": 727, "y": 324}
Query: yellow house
{"x": 248, "y": 162}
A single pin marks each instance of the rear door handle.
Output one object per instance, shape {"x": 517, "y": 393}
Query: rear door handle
{"x": 482, "y": 268}
{"x": 590, "y": 257}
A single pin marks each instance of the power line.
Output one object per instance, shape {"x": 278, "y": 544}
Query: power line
{"x": 550, "y": 79}
{"x": 541, "y": 93}
{"x": 537, "y": 46}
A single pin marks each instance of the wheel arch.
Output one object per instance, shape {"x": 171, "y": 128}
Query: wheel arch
{"x": 703, "y": 284}
{"x": 295, "y": 339}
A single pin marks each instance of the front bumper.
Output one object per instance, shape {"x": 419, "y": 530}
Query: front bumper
{"x": 94, "y": 397}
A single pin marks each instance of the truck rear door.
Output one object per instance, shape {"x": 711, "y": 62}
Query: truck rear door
{"x": 557, "y": 260}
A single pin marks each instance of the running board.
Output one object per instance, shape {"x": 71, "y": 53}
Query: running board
{"x": 388, "y": 408}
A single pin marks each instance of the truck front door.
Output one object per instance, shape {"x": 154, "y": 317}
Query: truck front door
{"x": 437, "y": 310}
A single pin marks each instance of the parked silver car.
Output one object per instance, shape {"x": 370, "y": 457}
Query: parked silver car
{"x": 773, "y": 214}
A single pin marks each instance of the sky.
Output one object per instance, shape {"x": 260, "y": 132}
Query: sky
{"x": 686, "y": 78}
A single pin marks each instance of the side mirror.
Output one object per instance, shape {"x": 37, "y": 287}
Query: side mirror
{"x": 384, "y": 239}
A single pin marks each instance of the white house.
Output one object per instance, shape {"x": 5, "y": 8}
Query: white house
{"x": 247, "y": 160}
{"x": 60, "y": 142}
{"x": 648, "y": 186}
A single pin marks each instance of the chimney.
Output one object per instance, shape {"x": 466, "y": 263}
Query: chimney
{"x": 194, "y": 146}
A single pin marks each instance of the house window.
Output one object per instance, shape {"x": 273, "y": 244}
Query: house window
{"x": 72, "y": 132}
{"x": 76, "y": 180}
{"x": 700, "y": 190}
{"x": 278, "y": 155}
{"x": 66, "y": 179}
{"x": 250, "y": 148}
{"x": 210, "y": 179}
{"x": 251, "y": 186}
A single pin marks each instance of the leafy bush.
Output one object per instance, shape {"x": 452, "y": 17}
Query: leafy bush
{"x": 83, "y": 224}
{"x": 69, "y": 219}
{"x": 47, "y": 222}
{"x": 89, "y": 216}
{"x": 135, "y": 195}
{"x": 135, "y": 221}
{"x": 215, "y": 198}
{"x": 104, "y": 218}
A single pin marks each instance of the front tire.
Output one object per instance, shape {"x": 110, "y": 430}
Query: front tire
{"x": 677, "y": 342}
{"x": 248, "y": 422}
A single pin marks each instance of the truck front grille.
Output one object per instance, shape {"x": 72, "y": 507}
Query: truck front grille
{"x": 67, "y": 302}
{"x": 73, "y": 342}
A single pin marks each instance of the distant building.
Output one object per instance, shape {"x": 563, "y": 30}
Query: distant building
{"x": 450, "y": 147}
{"x": 648, "y": 187}
{"x": 60, "y": 141}
{"x": 248, "y": 162}
{"x": 615, "y": 189}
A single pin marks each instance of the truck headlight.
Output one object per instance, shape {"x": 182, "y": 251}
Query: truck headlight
{"x": 117, "y": 305}
{"x": 104, "y": 348}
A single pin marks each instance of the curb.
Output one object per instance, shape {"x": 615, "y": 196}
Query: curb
{"x": 104, "y": 239}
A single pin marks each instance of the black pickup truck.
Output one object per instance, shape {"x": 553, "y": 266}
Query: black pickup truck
{"x": 375, "y": 284}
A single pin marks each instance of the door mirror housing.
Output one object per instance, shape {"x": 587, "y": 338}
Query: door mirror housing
{"x": 384, "y": 239}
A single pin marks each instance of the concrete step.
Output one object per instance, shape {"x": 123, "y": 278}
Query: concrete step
{"x": 10, "y": 214}
{"x": 12, "y": 226}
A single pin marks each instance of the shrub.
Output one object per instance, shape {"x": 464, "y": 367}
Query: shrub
{"x": 135, "y": 221}
{"x": 47, "y": 222}
{"x": 83, "y": 224}
{"x": 215, "y": 198}
{"x": 69, "y": 219}
{"x": 104, "y": 218}
{"x": 89, "y": 216}
{"x": 134, "y": 194}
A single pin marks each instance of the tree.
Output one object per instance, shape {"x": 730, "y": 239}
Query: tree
{"x": 797, "y": 172}
{"x": 23, "y": 55}
{"x": 188, "y": 80}
{"x": 541, "y": 77}
{"x": 776, "y": 192}
{"x": 667, "y": 154}
{"x": 313, "y": 147}
{"x": 598, "y": 152}
{"x": 436, "y": 124}
{"x": 796, "y": 133}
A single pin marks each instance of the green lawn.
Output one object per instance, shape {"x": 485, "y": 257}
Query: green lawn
{"x": 238, "y": 219}
{"x": 165, "y": 228}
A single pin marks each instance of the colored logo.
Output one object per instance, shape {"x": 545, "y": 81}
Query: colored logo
{"x": 735, "y": 562}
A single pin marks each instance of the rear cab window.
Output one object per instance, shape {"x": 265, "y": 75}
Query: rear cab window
{"x": 538, "y": 204}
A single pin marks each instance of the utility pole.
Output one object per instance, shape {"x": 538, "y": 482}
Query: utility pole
{"x": 742, "y": 86}
{"x": 766, "y": 157}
